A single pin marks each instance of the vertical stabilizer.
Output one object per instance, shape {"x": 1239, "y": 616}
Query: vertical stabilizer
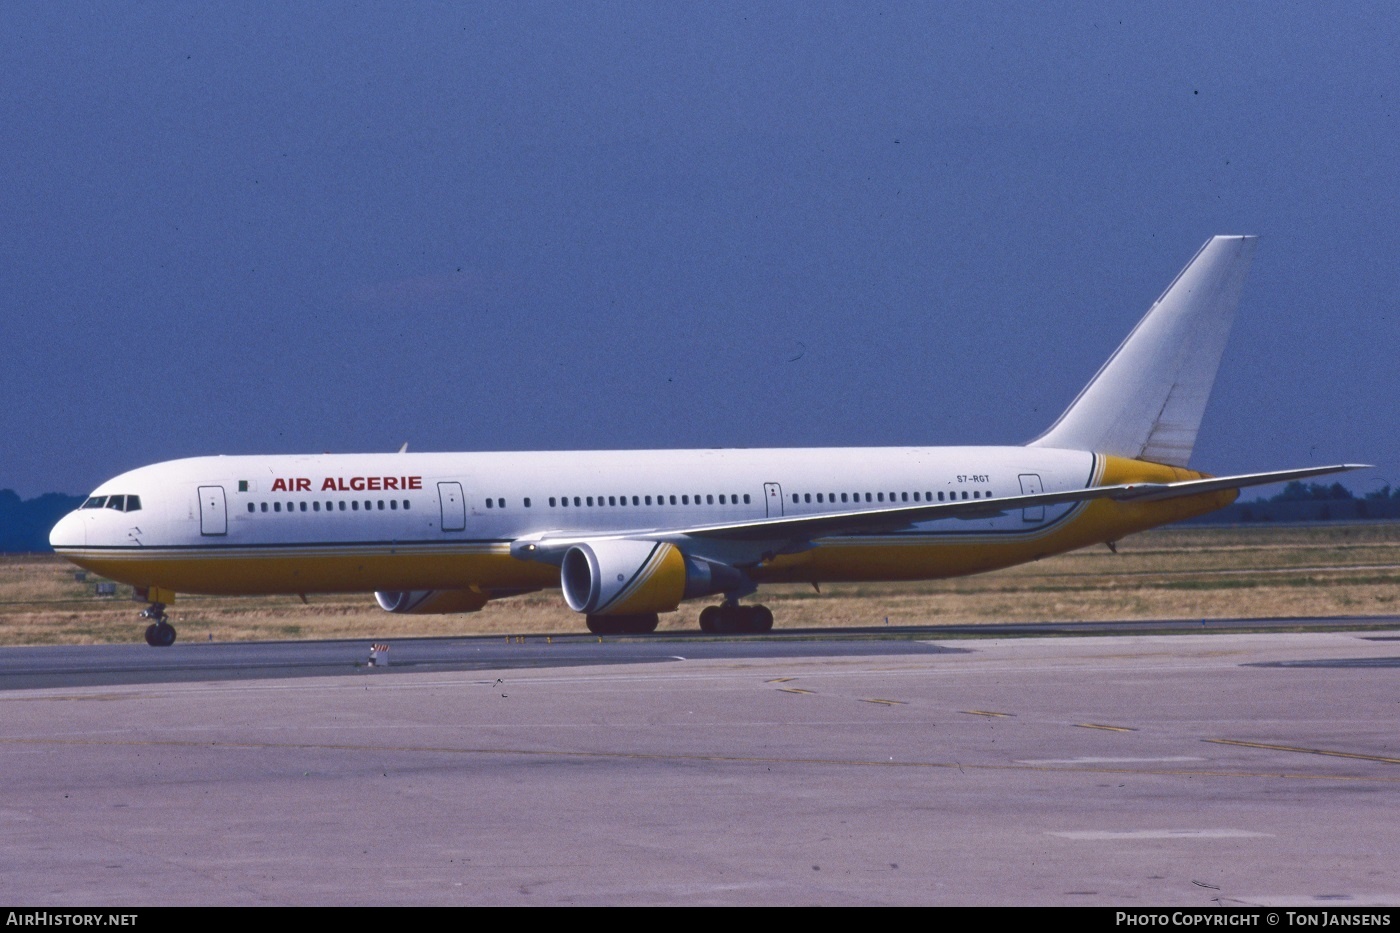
{"x": 1146, "y": 402}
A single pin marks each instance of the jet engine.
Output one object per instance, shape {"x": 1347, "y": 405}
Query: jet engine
{"x": 431, "y": 602}
{"x": 620, "y": 576}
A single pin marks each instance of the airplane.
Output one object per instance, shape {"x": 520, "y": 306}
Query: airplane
{"x": 629, "y": 534}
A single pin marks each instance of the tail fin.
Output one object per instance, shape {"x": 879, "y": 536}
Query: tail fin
{"x": 1146, "y": 402}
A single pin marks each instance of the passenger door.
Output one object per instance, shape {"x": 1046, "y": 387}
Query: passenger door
{"x": 454, "y": 506}
{"x": 213, "y": 511}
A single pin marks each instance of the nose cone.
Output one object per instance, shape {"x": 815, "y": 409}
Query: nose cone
{"x": 70, "y": 532}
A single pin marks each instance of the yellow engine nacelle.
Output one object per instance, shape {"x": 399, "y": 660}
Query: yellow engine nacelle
{"x": 623, "y": 577}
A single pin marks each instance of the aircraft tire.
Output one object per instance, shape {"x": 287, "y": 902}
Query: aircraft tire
{"x": 709, "y": 619}
{"x": 643, "y": 623}
{"x": 160, "y": 635}
{"x": 760, "y": 619}
{"x": 639, "y": 624}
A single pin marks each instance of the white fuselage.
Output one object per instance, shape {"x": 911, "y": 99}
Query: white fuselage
{"x": 367, "y": 522}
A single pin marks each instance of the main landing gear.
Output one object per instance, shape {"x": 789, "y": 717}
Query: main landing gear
{"x": 639, "y": 624}
{"x": 733, "y": 619}
{"x": 160, "y": 633}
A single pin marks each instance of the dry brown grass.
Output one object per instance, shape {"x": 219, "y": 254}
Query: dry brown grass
{"x": 1176, "y": 573}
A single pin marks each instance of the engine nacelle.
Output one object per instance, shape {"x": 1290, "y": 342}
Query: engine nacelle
{"x": 630, "y": 577}
{"x": 431, "y": 602}
{"x": 622, "y": 577}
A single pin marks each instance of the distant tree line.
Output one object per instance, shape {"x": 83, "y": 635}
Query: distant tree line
{"x": 1317, "y": 492}
{"x": 25, "y": 523}
{"x": 1311, "y": 502}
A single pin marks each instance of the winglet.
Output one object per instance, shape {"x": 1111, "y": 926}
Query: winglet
{"x": 1146, "y": 402}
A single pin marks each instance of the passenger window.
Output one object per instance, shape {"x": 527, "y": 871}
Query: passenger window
{"x": 394, "y": 504}
{"x": 916, "y": 497}
{"x": 276, "y": 506}
{"x": 904, "y": 497}
{"x": 263, "y": 506}
{"x": 673, "y": 500}
{"x": 489, "y": 503}
{"x": 709, "y": 500}
{"x": 746, "y": 498}
{"x": 315, "y": 506}
{"x": 940, "y": 497}
{"x": 250, "y": 506}
{"x": 354, "y": 505}
{"x": 303, "y": 506}
{"x": 867, "y": 497}
{"x": 342, "y": 505}
{"x": 685, "y": 500}
{"x": 578, "y": 503}
{"x": 527, "y": 502}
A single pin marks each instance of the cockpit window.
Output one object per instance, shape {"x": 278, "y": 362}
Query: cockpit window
{"x": 118, "y": 503}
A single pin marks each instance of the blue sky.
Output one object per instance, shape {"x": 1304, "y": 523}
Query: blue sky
{"x": 288, "y": 228}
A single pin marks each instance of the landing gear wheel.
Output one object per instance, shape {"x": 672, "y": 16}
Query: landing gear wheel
{"x": 733, "y": 619}
{"x": 639, "y": 624}
{"x": 709, "y": 619}
{"x": 643, "y": 623}
{"x": 760, "y": 619}
{"x": 160, "y": 635}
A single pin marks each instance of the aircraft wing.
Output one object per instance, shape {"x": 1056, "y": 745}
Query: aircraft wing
{"x": 893, "y": 519}
{"x": 797, "y": 529}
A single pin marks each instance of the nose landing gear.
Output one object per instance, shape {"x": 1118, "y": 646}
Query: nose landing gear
{"x": 160, "y": 633}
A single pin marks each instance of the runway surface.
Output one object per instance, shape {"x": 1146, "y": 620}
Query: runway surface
{"x": 1191, "y": 769}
